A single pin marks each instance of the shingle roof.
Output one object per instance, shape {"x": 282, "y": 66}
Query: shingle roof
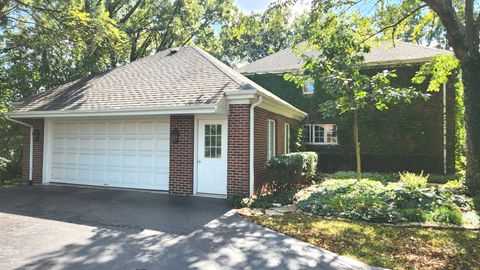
{"x": 381, "y": 54}
{"x": 188, "y": 77}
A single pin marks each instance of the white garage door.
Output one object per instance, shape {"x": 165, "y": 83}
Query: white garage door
{"x": 130, "y": 154}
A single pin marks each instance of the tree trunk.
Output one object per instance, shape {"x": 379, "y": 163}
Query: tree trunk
{"x": 357, "y": 145}
{"x": 471, "y": 81}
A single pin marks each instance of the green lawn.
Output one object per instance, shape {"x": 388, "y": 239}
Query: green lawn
{"x": 379, "y": 245}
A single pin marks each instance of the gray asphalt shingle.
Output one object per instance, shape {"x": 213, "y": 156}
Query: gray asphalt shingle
{"x": 381, "y": 53}
{"x": 187, "y": 77}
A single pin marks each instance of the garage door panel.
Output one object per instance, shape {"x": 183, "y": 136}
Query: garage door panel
{"x": 133, "y": 153}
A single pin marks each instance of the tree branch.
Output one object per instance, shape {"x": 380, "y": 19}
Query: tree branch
{"x": 455, "y": 29}
{"x": 131, "y": 11}
{"x": 394, "y": 25}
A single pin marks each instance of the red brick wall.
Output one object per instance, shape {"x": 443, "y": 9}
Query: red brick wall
{"x": 238, "y": 183}
{"x": 182, "y": 155}
{"x": 37, "y": 159}
{"x": 261, "y": 140}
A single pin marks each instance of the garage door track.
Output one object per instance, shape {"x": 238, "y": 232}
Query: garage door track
{"x": 64, "y": 227}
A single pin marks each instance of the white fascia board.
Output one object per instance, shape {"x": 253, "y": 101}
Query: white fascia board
{"x": 271, "y": 102}
{"x": 274, "y": 106}
{"x": 196, "y": 109}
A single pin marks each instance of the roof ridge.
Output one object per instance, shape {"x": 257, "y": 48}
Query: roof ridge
{"x": 220, "y": 66}
{"x": 424, "y": 47}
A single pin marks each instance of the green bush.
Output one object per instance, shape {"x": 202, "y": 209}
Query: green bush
{"x": 413, "y": 181}
{"x": 291, "y": 171}
{"x": 446, "y": 214}
{"x": 454, "y": 186}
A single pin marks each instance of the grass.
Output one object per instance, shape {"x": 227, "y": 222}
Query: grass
{"x": 384, "y": 246}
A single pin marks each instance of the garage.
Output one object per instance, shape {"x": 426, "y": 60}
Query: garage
{"x": 123, "y": 153}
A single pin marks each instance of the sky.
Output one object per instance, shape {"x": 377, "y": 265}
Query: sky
{"x": 249, "y": 6}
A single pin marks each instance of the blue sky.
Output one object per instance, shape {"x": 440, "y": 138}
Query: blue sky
{"x": 253, "y": 5}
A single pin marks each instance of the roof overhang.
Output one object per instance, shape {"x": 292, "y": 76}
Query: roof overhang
{"x": 186, "y": 109}
{"x": 270, "y": 102}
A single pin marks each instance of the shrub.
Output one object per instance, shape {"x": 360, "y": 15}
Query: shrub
{"x": 413, "y": 181}
{"x": 454, "y": 186}
{"x": 291, "y": 171}
{"x": 445, "y": 214}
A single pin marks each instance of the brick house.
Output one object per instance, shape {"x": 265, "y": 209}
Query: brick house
{"x": 179, "y": 121}
{"x": 411, "y": 137}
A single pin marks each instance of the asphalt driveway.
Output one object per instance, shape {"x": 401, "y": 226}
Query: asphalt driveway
{"x": 63, "y": 227}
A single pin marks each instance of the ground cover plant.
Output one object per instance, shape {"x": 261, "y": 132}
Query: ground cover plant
{"x": 410, "y": 199}
{"x": 380, "y": 245}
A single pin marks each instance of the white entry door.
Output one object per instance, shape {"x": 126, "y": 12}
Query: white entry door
{"x": 212, "y": 157}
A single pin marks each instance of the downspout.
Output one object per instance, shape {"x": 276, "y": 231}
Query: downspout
{"x": 252, "y": 156}
{"x": 30, "y": 165}
{"x": 444, "y": 128}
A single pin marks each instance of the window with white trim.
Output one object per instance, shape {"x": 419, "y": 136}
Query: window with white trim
{"x": 286, "y": 138}
{"x": 271, "y": 139}
{"x": 309, "y": 87}
{"x": 320, "y": 134}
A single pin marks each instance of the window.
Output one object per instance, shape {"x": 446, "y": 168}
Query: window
{"x": 309, "y": 87}
{"x": 320, "y": 134}
{"x": 287, "y": 138}
{"x": 213, "y": 141}
{"x": 271, "y": 139}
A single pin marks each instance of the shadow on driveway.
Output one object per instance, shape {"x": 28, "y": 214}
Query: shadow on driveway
{"x": 113, "y": 208}
{"x": 74, "y": 228}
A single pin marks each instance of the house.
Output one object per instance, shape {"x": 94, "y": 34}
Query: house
{"x": 410, "y": 137}
{"x": 178, "y": 121}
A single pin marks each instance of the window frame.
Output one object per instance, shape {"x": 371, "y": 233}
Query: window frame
{"x": 305, "y": 84}
{"x": 271, "y": 151}
{"x": 311, "y": 129}
{"x": 286, "y": 138}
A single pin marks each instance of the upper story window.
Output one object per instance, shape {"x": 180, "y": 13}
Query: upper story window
{"x": 309, "y": 87}
{"x": 320, "y": 134}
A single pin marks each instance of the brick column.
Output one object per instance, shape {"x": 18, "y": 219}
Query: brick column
{"x": 182, "y": 155}
{"x": 238, "y": 183}
{"x": 37, "y": 160}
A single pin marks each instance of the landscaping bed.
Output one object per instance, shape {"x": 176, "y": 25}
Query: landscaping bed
{"x": 10, "y": 181}
{"x": 379, "y": 245}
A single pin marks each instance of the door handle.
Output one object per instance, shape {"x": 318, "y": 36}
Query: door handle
{"x": 199, "y": 161}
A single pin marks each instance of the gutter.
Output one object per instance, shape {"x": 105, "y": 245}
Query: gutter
{"x": 30, "y": 163}
{"x": 252, "y": 128}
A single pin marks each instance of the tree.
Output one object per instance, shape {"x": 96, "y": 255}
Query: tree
{"x": 47, "y": 43}
{"x": 337, "y": 70}
{"x": 461, "y": 27}
{"x": 249, "y": 37}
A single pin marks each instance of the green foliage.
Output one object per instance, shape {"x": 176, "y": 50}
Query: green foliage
{"x": 382, "y": 177}
{"x": 413, "y": 182}
{"x": 368, "y": 200}
{"x": 266, "y": 201}
{"x": 438, "y": 71}
{"x": 291, "y": 171}
{"x": 446, "y": 214}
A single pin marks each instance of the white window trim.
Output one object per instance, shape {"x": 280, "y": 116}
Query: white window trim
{"x": 286, "y": 139}
{"x": 268, "y": 139}
{"x": 312, "y": 134}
